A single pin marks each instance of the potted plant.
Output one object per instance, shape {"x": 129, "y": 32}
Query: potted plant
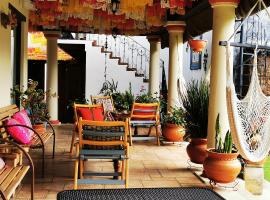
{"x": 195, "y": 102}
{"x": 174, "y": 125}
{"x": 197, "y": 45}
{"x": 33, "y": 100}
{"x": 146, "y": 98}
{"x": 221, "y": 164}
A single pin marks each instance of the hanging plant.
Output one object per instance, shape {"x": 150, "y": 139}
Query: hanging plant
{"x": 197, "y": 45}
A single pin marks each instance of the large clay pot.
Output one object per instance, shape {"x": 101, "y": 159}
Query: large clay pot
{"x": 197, "y": 45}
{"x": 173, "y": 133}
{"x": 221, "y": 167}
{"x": 196, "y": 150}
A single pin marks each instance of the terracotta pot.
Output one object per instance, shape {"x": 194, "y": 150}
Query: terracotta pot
{"x": 173, "y": 132}
{"x": 221, "y": 167}
{"x": 40, "y": 127}
{"x": 196, "y": 150}
{"x": 197, "y": 45}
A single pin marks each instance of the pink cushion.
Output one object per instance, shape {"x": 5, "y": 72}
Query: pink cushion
{"x": 2, "y": 164}
{"x": 20, "y": 134}
{"x": 23, "y": 119}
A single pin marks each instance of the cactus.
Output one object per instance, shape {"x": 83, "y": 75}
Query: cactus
{"x": 220, "y": 146}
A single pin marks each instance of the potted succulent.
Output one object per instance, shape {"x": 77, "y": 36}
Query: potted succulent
{"x": 221, "y": 164}
{"x": 195, "y": 102}
{"x": 174, "y": 125}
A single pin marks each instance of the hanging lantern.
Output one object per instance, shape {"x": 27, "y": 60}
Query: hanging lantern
{"x": 197, "y": 45}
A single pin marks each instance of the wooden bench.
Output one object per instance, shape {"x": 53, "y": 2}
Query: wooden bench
{"x": 14, "y": 171}
{"x": 40, "y": 138}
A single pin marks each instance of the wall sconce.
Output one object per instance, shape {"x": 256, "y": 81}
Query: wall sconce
{"x": 205, "y": 58}
{"x": 115, "y": 4}
{"x": 4, "y": 20}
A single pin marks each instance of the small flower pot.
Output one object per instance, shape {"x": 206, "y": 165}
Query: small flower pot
{"x": 197, "y": 45}
{"x": 173, "y": 133}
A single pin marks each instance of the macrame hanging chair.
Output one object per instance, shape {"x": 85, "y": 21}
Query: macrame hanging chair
{"x": 249, "y": 117}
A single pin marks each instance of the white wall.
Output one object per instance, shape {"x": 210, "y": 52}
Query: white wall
{"x": 95, "y": 65}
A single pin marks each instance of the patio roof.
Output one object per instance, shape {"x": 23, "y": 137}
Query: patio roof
{"x": 133, "y": 17}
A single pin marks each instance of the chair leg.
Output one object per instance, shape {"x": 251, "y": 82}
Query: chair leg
{"x": 72, "y": 142}
{"x": 149, "y": 131}
{"x": 130, "y": 136}
{"x": 81, "y": 168}
{"x": 76, "y": 168}
{"x": 53, "y": 145}
{"x": 126, "y": 173}
{"x": 116, "y": 167}
{"x": 157, "y": 134}
{"x": 122, "y": 169}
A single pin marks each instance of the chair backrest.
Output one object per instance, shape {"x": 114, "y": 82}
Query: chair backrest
{"x": 107, "y": 102}
{"x": 102, "y": 133}
{"x": 145, "y": 111}
{"x": 88, "y": 112}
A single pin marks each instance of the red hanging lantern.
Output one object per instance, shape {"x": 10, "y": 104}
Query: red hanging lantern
{"x": 197, "y": 45}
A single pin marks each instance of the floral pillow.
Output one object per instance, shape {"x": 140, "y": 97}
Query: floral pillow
{"x": 23, "y": 119}
{"x": 2, "y": 164}
{"x": 19, "y": 133}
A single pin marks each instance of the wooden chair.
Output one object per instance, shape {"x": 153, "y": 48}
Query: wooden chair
{"x": 107, "y": 102}
{"x": 76, "y": 108}
{"x": 15, "y": 170}
{"x": 40, "y": 138}
{"x": 102, "y": 140}
{"x": 144, "y": 115}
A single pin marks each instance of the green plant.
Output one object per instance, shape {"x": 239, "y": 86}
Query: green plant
{"x": 195, "y": 103}
{"x": 32, "y": 99}
{"x": 123, "y": 101}
{"x": 177, "y": 117}
{"x": 108, "y": 88}
{"x": 146, "y": 98}
{"x": 222, "y": 146}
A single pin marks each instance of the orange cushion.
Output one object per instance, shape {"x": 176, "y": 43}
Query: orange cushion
{"x": 85, "y": 113}
{"x": 98, "y": 113}
{"x": 94, "y": 113}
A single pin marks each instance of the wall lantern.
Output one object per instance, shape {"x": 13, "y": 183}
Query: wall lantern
{"x": 115, "y": 4}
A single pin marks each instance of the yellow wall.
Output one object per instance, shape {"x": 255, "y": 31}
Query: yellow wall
{"x": 5, "y": 52}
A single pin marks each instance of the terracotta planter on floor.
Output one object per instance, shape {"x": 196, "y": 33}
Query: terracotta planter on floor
{"x": 196, "y": 150}
{"x": 221, "y": 167}
{"x": 173, "y": 133}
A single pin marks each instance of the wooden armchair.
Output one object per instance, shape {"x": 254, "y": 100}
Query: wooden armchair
{"x": 144, "y": 115}
{"x": 102, "y": 140}
{"x": 86, "y": 111}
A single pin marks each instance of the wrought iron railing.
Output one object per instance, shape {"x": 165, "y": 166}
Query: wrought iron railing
{"x": 127, "y": 50}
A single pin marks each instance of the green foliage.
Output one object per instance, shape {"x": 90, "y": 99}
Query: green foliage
{"x": 32, "y": 99}
{"x": 108, "y": 88}
{"x": 223, "y": 146}
{"x": 177, "y": 116}
{"x": 123, "y": 101}
{"x": 195, "y": 103}
{"x": 146, "y": 98}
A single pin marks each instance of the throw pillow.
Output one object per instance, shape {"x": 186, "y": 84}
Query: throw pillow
{"x": 85, "y": 113}
{"x": 23, "y": 119}
{"x": 2, "y": 164}
{"x": 20, "y": 134}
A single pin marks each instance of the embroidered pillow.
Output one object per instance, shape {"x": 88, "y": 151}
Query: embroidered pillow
{"x": 23, "y": 119}
{"x": 20, "y": 134}
{"x": 107, "y": 104}
{"x": 2, "y": 164}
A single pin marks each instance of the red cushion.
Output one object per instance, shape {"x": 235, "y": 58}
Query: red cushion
{"x": 138, "y": 110}
{"x": 23, "y": 119}
{"x": 19, "y": 133}
{"x": 85, "y": 113}
{"x": 98, "y": 113}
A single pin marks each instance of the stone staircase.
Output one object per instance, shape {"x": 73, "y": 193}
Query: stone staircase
{"x": 127, "y": 51}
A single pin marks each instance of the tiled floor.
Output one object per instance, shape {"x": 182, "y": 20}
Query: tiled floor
{"x": 150, "y": 166}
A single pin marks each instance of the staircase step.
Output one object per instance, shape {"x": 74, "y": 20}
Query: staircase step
{"x": 122, "y": 63}
{"x": 146, "y": 80}
{"x": 114, "y": 57}
{"x": 131, "y": 69}
{"x": 139, "y": 75}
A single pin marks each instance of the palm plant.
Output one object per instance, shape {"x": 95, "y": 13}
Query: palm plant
{"x": 195, "y": 103}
